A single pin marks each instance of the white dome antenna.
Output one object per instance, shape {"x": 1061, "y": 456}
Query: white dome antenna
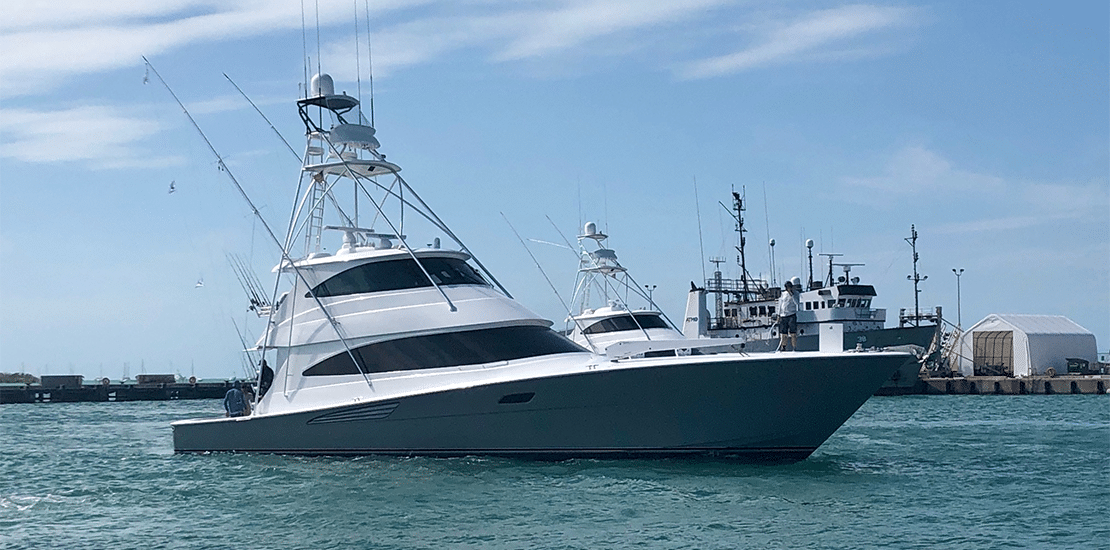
{"x": 322, "y": 85}
{"x": 590, "y": 232}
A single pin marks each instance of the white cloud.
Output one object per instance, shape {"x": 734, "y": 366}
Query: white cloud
{"x": 928, "y": 182}
{"x": 576, "y": 23}
{"x": 48, "y": 44}
{"x": 45, "y": 43}
{"x": 918, "y": 171}
{"x": 821, "y": 34}
{"x": 99, "y": 135}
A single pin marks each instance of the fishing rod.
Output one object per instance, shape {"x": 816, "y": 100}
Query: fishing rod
{"x": 254, "y": 210}
{"x": 570, "y": 313}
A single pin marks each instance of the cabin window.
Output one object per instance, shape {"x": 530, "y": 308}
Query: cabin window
{"x": 399, "y": 275}
{"x": 753, "y": 311}
{"x": 840, "y": 302}
{"x": 625, "y": 322}
{"x": 472, "y": 347}
{"x": 832, "y": 303}
{"x": 866, "y": 302}
{"x": 770, "y": 310}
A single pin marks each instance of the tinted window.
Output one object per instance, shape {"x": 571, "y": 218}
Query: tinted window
{"x": 616, "y": 324}
{"x": 398, "y": 275}
{"x": 472, "y": 347}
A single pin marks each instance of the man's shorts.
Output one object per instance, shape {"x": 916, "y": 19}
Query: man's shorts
{"x": 788, "y": 324}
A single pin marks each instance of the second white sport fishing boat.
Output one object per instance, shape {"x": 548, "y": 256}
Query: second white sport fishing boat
{"x": 602, "y": 319}
{"x": 386, "y": 347}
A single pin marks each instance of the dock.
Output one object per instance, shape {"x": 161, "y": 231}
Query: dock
{"x": 73, "y": 389}
{"x": 1005, "y": 385}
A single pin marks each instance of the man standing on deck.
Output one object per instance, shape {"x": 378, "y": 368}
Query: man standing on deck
{"x": 788, "y": 314}
{"x": 235, "y": 404}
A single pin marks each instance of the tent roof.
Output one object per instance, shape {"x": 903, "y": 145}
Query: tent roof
{"x": 1039, "y": 324}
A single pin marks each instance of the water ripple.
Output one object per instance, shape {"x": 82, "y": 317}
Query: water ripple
{"x": 964, "y": 472}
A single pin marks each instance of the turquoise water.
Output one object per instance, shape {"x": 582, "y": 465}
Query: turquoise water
{"x": 905, "y": 472}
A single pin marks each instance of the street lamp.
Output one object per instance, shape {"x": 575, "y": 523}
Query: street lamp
{"x": 959, "y": 318}
{"x": 650, "y": 289}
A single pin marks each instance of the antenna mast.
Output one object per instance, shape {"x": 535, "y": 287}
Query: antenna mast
{"x": 912, "y": 239}
{"x": 809, "y": 248}
{"x": 831, "y": 280}
{"x": 738, "y": 206}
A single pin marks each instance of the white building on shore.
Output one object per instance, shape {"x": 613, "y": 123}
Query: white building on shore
{"x": 1024, "y": 345}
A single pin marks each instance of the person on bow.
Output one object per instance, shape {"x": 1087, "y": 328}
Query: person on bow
{"x": 788, "y": 314}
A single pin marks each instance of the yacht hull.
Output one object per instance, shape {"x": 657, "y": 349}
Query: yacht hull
{"x": 779, "y": 408}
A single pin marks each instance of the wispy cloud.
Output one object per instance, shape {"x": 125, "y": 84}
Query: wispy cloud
{"x": 919, "y": 171}
{"x": 48, "y": 42}
{"x": 98, "y": 135}
{"x": 514, "y": 31}
{"x": 825, "y": 34}
{"x": 928, "y": 182}
{"x": 573, "y": 24}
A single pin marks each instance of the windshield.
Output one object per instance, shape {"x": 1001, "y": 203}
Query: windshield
{"x": 399, "y": 275}
{"x": 617, "y": 324}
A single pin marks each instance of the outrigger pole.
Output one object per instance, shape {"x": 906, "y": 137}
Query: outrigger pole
{"x": 254, "y": 210}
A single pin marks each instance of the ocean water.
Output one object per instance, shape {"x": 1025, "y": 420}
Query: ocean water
{"x": 905, "y": 472}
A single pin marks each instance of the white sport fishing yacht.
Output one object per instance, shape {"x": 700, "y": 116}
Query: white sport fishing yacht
{"x": 384, "y": 347}
{"x": 604, "y": 322}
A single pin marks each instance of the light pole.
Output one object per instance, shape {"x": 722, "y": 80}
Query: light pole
{"x": 959, "y": 318}
{"x": 650, "y": 289}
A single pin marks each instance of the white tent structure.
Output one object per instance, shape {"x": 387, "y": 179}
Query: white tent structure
{"x": 1023, "y": 345}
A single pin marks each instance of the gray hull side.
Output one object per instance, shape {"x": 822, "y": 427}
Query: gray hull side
{"x": 881, "y": 338}
{"x": 780, "y": 409}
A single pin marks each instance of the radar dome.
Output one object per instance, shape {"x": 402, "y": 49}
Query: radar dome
{"x": 322, "y": 84}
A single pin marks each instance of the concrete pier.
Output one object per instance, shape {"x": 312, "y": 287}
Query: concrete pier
{"x": 1034, "y": 385}
{"x": 118, "y": 391}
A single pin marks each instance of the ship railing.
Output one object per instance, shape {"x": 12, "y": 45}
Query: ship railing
{"x": 907, "y": 316}
{"x": 728, "y": 323}
{"x": 736, "y": 285}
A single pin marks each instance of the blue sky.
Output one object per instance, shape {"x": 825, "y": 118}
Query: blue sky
{"x": 984, "y": 124}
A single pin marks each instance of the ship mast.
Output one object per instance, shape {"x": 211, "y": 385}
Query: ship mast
{"x": 738, "y": 206}
{"x": 912, "y": 239}
{"x": 745, "y": 289}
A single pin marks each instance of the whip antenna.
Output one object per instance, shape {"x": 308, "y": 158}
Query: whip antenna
{"x": 304, "y": 49}
{"x": 259, "y": 111}
{"x": 701, "y": 243}
{"x": 370, "y": 61}
{"x": 358, "y": 70}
